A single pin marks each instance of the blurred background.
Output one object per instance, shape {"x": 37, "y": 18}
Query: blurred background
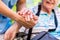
{"x": 31, "y": 3}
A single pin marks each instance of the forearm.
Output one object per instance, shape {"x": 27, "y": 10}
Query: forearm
{"x": 9, "y": 13}
{"x": 18, "y": 26}
{"x": 6, "y": 11}
{"x": 20, "y": 4}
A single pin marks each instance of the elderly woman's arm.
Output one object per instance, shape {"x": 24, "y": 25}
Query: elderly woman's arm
{"x": 20, "y": 4}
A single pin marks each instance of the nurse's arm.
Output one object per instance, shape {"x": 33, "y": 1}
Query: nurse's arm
{"x": 9, "y": 13}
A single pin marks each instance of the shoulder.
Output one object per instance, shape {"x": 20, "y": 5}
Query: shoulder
{"x": 34, "y": 9}
{"x": 57, "y": 10}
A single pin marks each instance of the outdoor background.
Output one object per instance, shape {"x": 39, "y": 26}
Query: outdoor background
{"x": 31, "y": 3}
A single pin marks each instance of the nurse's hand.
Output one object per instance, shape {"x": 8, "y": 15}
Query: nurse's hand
{"x": 28, "y": 15}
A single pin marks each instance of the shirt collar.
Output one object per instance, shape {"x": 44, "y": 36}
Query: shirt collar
{"x": 44, "y": 13}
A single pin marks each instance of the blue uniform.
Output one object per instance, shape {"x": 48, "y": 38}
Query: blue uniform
{"x": 5, "y": 22}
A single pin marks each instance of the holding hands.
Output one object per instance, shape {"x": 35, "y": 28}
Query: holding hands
{"x": 28, "y": 15}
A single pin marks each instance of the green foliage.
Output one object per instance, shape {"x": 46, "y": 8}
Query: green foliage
{"x": 59, "y": 5}
{"x": 33, "y": 3}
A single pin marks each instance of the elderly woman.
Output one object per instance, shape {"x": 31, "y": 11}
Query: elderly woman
{"x": 48, "y": 16}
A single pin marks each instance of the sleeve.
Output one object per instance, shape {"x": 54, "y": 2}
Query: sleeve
{"x": 6, "y": 1}
{"x": 13, "y": 2}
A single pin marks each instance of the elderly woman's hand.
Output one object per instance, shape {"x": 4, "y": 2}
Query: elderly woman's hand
{"x": 28, "y": 15}
{"x": 11, "y": 32}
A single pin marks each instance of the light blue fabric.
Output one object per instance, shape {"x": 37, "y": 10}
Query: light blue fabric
{"x": 5, "y": 22}
{"x": 44, "y": 20}
{"x": 47, "y": 21}
{"x": 13, "y": 2}
{"x": 9, "y": 3}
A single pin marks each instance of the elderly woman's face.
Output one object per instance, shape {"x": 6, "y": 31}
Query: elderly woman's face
{"x": 49, "y": 3}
